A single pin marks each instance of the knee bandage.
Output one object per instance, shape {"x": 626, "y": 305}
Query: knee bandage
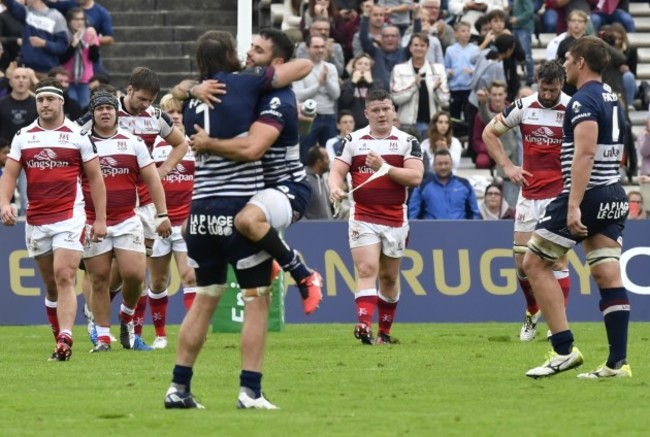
{"x": 215, "y": 290}
{"x": 519, "y": 249}
{"x": 148, "y": 251}
{"x": 603, "y": 255}
{"x": 545, "y": 249}
{"x": 248, "y": 294}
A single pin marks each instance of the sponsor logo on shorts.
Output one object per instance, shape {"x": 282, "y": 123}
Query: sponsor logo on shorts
{"x": 201, "y": 224}
{"x": 612, "y": 210}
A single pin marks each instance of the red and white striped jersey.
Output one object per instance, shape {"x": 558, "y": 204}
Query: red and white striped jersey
{"x": 541, "y": 134}
{"x": 381, "y": 201}
{"x": 52, "y": 160}
{"x": 121, "y": 157}
{"x": 178, "y": 184}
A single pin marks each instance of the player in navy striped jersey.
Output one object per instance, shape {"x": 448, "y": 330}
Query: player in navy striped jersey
{"x": 591, "y": 210}
{"x": 222, "y": 187}
{"x": 274, "y": 139}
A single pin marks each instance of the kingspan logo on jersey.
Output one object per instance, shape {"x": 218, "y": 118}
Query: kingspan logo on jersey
{"x": 46, "y": 159}
{"x": 542, "y": 136}
{"x": 179, "y": 174}
{"x": 110, "y": 167}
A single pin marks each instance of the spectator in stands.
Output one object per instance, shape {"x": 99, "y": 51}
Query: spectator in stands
{"x": 576, "y": 28}
{"x": 441, "y": 136}
{"x": 319, "y": 8}
{"x": 333, "y": 50}
{"x": 637, "y": 208}
{"x": 470, "y": 10}
{"x": 419, "y": 88}
{"x": 489, "y": 68}
{"x": 345, "y": 124}
{"x": 398, "y": 12}
{"x": 97, "y": 17}
{"x": 497, "y": 20}
{"x": 563, "y": 9}
{"x": 494, "y": 206}
{"x": 612, "y": 11}
{"x": 442, "y": 195}
{"x": 389, "y": 53}
{"x": 376, "y": 23}
{"x": 622, "y": 44}
{"x": 71, "y": 108}
{"x": 322, "y": 85}
{"x": 356, "y": 87}
{"x": 523, "y": 24}
{"x": 460, "y": 64}
{"x": 45, "y": 34}
{"x": 82, "y": 52}
{"x": 491, "y": 103}
{"x": 613, "y": 73}
{"x": 11, "y": 31}
{"x": 18, "y": 110}
{"x": 439, "y": 27}
{"x": 317, "y": 164}
{"x": 482, "y": 28}
{"x": 291, "y": 19}
{"x": 347, "y": 25}
{"x": 434, "y": 53}
{"x": 97, "y": 80}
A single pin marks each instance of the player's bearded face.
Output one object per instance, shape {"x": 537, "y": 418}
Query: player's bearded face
{"x": 260, "y": 53}
{"x": 49, "y": 108}
{"x": 549, "y": 93}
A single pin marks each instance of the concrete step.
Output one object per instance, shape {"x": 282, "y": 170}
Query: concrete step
{"x": 146, "y": 50}
{"x": 643, "y": 71}
{"x": 212, "y": 18}
{"x": 639, "y": 9}
{"x": 164, "y": 34}
{"x": 168, "y": 5}
{"x": 642, "y": 24}
{"x": 638, "y": 118}
{"x": 170, "y": 65}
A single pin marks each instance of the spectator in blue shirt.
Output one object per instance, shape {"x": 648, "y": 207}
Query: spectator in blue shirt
{"x": 442, "y": 195}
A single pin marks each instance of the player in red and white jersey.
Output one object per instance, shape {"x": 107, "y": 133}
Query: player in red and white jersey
{"x": 124, "y": 158}
{"x": 54, "y": 152}
{"x": 178, "y": 185}
{"x": 383, "y": 162}
{"x": 539, "y": 117}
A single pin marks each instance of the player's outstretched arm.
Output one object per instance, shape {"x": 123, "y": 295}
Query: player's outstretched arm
{"x": 98, "y": 193}
{"x": 289, "y": 72}
{"x": 154, "y": 185}
{"x": 7, "y": 187}
{"x": 491, "y": 135}
{"x": 248, "y": 148}
{"x": 336, "y": 180}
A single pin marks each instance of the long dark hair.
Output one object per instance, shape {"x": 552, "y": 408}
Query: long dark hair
{"x": 216, "y": 53}
{"x": 434, "y": 135}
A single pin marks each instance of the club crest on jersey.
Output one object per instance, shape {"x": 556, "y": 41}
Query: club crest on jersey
{"x": 559, "y": 117}
{"x": 275, "y": 103}
{"x": 64, "y": 137}
{"x": 576, "y": 107}
{"x": 122, "y": 146}
{"x": 393, "y": 146}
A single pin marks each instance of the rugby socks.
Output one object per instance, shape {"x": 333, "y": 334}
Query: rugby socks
{"x": 251, "y": 381}
{"x": 616, "y": 311}
{"x": 531, "y": 303}
{"x": 386, "y": 307}
{"x": 366, "y": 301}
{"x": 181, "y": 378}
{"x": 140, "y": 310}
{"x": 283, "y": 254}
{"x": 562, "y": 342}
{"x": 564, "y": 280}
{"x": 65, "y": 336}
{"x": 189, "y": 293}
{"x": 158, "y": 306}
{"x": 126, "y": 314}
{"x": 52, "y": 318}
{"x": 104, "y": 334}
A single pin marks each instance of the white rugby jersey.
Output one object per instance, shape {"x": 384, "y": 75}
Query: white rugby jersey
{"x": 178, "y": 184}
{"x": 53, "y": 163}
{"x": 541, "y": 133}
{"x": 121, "y": 157}
{"x": 381, "y": 201}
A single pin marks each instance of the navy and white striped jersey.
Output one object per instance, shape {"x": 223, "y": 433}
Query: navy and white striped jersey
{"x": 595, "y": 101}
{"x": 214, "y": 175}
{"x": 281, "y": 162}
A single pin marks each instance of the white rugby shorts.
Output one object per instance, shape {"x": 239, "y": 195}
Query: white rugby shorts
{"x": 65, "y": 234}
{"x": 147, "y": 214}
{"x": 392, "y": 239}
{"x": 529, "y": 212}
{"x": 173, "y": 243}
{"x": 126, "y": 235}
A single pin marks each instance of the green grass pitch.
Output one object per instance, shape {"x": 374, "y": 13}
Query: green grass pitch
{"x": 442, "y": 379}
